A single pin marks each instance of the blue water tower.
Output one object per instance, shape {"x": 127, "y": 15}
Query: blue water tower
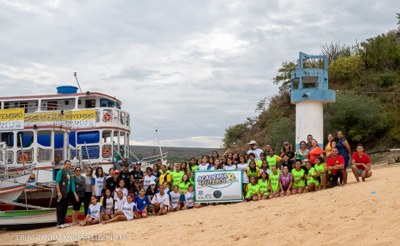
{"x": 309, "y": 91}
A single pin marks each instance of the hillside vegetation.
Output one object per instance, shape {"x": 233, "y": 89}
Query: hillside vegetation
{"x": 366, "y": 77}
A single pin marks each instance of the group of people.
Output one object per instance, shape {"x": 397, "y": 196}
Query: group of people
{"x": 127, "y": 194}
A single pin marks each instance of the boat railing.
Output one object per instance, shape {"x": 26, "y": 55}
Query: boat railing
{"x": 150, "y": 160}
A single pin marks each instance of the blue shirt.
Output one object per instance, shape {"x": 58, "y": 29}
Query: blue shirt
{"x": 141, "y": 203}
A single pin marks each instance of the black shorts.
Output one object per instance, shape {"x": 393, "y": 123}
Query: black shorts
{"x": 76, "y": 205}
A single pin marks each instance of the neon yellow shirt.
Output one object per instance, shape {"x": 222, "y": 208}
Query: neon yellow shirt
{"x": 274, "y": 180}
{"x": 263, "y": 185}
{"x": 273, "y": 161}
{"x": 183, "y": 187}
{"x": 297, "y": 176}
{"x": 252, "y": 190}
{"x": 310, "y": 179}
{"x": 177, "y": 177}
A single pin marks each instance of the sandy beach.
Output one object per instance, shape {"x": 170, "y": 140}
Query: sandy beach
{"x": 356, "y": 214}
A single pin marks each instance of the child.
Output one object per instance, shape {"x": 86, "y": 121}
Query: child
{"x": 298, "y": 178}
{"x": 108, "y": 205}
{"x": 119, "y": 201}
{"x": 94, "y": 213}
{"x": 263, "y": 183}
{"x": 319, "y": 166}
{"x": 253, "y": 189}
{"x": 285, "y": 181}
{"x": 189, "y": 199}
{"x": 122, "y": 188}
{"x": 127, "y": 212}
{"x": 141, "y": 203}
{"x": 312, "y": 178}
{"x": 175, "y": 197}
{"x": 252, "y": 171}
{"x": 274, "y": 182}
{"x": 160, "y": 202}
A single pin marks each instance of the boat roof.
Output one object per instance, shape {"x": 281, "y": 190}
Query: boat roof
{"x": 61, "y": 96}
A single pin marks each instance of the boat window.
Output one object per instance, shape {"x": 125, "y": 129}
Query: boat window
{"x": 52, "y": 105}
{"x": 8, "y": 138}
{"x": 44, "y": 138}
{"x": 88, "y": 137}
{"x": 91, "y": 103}
{"x": 26, "y": 138}
{"x": 6, "y": 105}
{"x": 106, "y": 103}
{"x": 72, "y": 138}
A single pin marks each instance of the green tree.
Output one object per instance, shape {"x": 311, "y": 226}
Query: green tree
{"x": 233, "y": 134}
{"x": 283, "y": 129}
{"x": 346, "y": 68}
{"x": 360, "y": 117}
{"x": 283, "y": 77}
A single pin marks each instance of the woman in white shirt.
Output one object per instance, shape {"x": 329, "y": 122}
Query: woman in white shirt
{"x": 175, "y": 195}
{"x": 108, "y": 205}
{"x": 99, "y": 183}
{"x": 119, "y": 201}
{"x": 243, "y": 166}
{"x": 189, "y": 199}
{"x": 230, "y": 166}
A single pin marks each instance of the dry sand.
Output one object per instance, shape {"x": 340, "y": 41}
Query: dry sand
{"x": 349, "y": 215}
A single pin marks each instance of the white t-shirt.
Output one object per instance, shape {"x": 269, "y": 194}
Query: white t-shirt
{"x": 203, "y": 167}
{"x": 95, "y": 210}
{"x": 129, "y": 209}
{"x": 147, "y": 180}
{"x": 230, "y": 168}
{"x": 256, "y": 152}
{"x": 163, "y": 200}
{"x": 174, "y": 198}
{"x": 119, "y": 203}
{"x": 99, "y": 183}
{"x": 268, "y": 171}
{"x": 124, "y": 192}
{"x": 245, "y": 178}
{"x": 189, "y": 198}
{"x": 109, "y": 205}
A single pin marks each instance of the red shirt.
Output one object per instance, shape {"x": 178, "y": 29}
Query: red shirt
{"x": 331, "y": 161}
{"x": 314, "y": 153}
{"x": 364, "y": 158}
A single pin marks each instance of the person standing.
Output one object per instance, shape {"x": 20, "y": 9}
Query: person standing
{"x": 125, "y": 174}
{"x": 65, "y": 186}
{"x": 344, "y": 150}
{"x": 254, "y": 149}
{"x": 361, "y": 164}
{"x": 89, "y": 188}
{"x": 331, "y": 144}
{"x": 79, "y": 194}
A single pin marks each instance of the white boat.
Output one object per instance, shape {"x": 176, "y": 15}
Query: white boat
{"x": 90, "y": 129}
{"x": 12, "y": 179}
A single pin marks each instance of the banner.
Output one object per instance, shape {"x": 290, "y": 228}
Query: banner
{"x": 218, "y": 186}
{"x": 73, "y": 119}
{"x": 12, "y": 119}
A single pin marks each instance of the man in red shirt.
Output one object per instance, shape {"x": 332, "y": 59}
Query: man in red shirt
{"x": 335, "y": 167}
{"x": 361, "y": 164}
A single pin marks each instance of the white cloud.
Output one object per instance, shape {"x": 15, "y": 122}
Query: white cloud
{"x": 187, "y": 68}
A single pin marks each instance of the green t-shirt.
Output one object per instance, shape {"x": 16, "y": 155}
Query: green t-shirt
{"x": 195, "y": 168}
{"x": 263, "y": 185}
{"x": 310, "y": 179}
{"x": 297, "y": 176}
{"x": 183, "y": 187}
{"x": 271, "y": 161}
{"x": 255, "y": 174}
{"x": 320, "y": 167}
{"x": 252, "y": 190}
{"x": 274, "y": 180}
{"x": 177, "y": 177}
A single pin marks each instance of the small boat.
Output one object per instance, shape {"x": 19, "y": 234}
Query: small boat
{"x": 27, "y": 219}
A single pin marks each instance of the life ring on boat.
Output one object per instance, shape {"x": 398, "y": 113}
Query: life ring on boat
{"x": 106, "y": 152}
{"x": 23, "y": 157}
{"x": 106, "y": 117}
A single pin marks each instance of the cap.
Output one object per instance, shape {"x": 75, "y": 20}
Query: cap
{"x": 152, "y": 183}
{"x": 252, "y": 142}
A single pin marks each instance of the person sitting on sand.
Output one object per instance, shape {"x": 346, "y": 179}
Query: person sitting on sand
{"x": 94, "y": 214}
{"x": 127, "y": 213}
{"x": 189, "y": 199}
{"x": 319, "y": 166}
{"x": 108, "y": 205}
{"x": 274, "y": 182}
{"x": 298, "y": 178}
{"x": 160, "y": 202}
{"x": 253, "y": 190}
{"x": 361, "y": 164}
{"x": 119, "y": 201}
{"x": 142, "y": 203}
{"x": 312, "y": 178}
{"x": 122, "y": 188}
{"x": 263, "y": 183}
{"x": 285, "y": 182}
{"x": 175, "y": 199}
{"x": 334, "y": 168}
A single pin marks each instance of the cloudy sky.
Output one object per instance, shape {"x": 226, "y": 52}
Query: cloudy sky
{"x": 188, "y": 68}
